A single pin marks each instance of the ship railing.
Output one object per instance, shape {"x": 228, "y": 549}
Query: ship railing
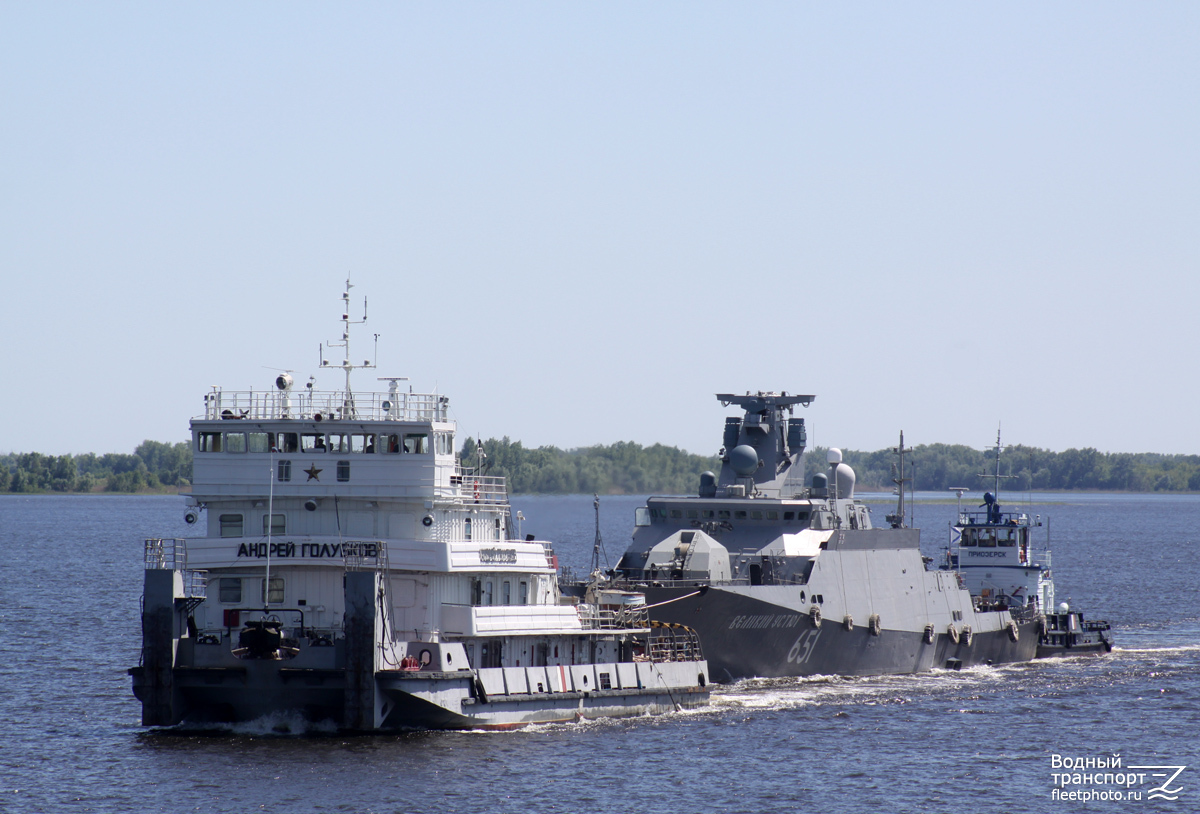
{"x": 984, "y": 518}
{"x": 491, "y": 489}
{"x": 365, "y": 555}
{"x": 625, "y": 618}
{"x": 668, "y": 641}
{"x": 317, "y": 405}
{"x": 170, "y": 554}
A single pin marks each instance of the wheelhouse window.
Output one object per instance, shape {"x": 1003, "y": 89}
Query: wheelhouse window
{"x": 362, "y": 442}
{"x": 231, "y": 525}
{"x": 339, "y": 443}
{"x": 275, "y": 593}
{"x": 284, "y": 471}
{"x": 287, "y": 442}
{"x": 312, "y": 441}
{"x": 389, "y": 442}
{"x": 208, "y": 442}
{"x": 641, "y": 516}
{"x": 235, "y": 442}
{"x": 343, "y": 471}
{"x": 274, "y": 524}
{"x": 260, "y": 442}
{"x": 416, "y": 443}
{"x": 230, "y": 590}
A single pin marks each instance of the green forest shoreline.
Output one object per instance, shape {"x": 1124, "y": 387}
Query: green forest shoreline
{"x": 627, "y": 468}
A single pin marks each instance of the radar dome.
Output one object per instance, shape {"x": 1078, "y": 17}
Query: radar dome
{"x": 744, "y": 460}
{"x": 844, "y": 478}
{"x": 834, "y": 456}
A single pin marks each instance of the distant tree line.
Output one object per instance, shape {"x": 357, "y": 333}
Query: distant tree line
{"x": 936, "y": 467}
{"x": 620, "y": 468}
{"x": 153, "y": 465}
{"x": 629, "y": 468}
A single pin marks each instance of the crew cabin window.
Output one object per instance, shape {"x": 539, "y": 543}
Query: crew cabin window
{"x": 230, "y": 590}
{"x": 275, "y": 594}
{"x": 312, "y": 441}
{"x": 467, "y": 532}
{"x": 487, "y": 593}
{"x": 506, "y": 592}
{"x": 209, "y": 442}
{"x": 231, "y": 525}
{"x": 416, "y": 443}
{"x": 276, "y": 524}
{"x": 284, "y": 470}
{"x": 235, "y": 442}
{"x": 343, "y": 471}
{"x": 260, "y": 442}
{"x": 524, "y": 592}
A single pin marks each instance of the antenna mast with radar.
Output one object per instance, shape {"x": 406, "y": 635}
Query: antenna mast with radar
{"x": 348, "y": 410}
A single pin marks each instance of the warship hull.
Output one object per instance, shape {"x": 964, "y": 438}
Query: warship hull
{"x": 747, "y": 632}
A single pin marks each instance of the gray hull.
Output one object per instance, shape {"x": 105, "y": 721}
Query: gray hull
{"x": 746, "y": 637}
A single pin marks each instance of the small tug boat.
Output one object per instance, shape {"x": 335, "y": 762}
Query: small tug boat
{"x": 995, "y": 554}
{"x": 352, "y": 571}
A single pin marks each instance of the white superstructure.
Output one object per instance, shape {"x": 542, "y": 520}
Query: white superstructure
{"x": 348, "y": 568}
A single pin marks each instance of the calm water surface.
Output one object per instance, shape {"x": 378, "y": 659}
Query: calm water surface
{"x": 979, "y": 740}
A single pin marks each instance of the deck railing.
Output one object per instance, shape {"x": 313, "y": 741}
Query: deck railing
{"x": 595, "y": 618}
{"x": 325, "y": 404}
{"x": 170, "y": 554}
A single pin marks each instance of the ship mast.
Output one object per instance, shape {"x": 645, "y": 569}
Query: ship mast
{"x": 897, "y": 520}
{"x": 348, "y": 410}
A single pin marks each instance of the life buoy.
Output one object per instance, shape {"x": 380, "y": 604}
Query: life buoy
{"x": 1014, "y": 632}
{"x": 814, "y": 613}
{"x": 952, "y": 632}
{"x": 874, "y": 625}
{"x": 848, "y": 622}
{"x": 477, "y": 490}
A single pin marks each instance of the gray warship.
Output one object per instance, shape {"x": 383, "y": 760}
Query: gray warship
{"x": 786, "y": 577}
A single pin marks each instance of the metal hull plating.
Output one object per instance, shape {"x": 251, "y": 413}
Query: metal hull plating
{"x": 745, "y": 637}
{"x": 261, "y": 689}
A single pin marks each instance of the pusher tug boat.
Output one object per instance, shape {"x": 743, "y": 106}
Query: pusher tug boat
{"x": 352, "y": 572}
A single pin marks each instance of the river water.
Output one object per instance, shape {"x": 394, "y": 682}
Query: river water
{"x": 978, "y": 740}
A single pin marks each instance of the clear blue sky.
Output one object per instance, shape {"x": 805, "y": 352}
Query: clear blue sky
{"x": 581, "y": 220}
